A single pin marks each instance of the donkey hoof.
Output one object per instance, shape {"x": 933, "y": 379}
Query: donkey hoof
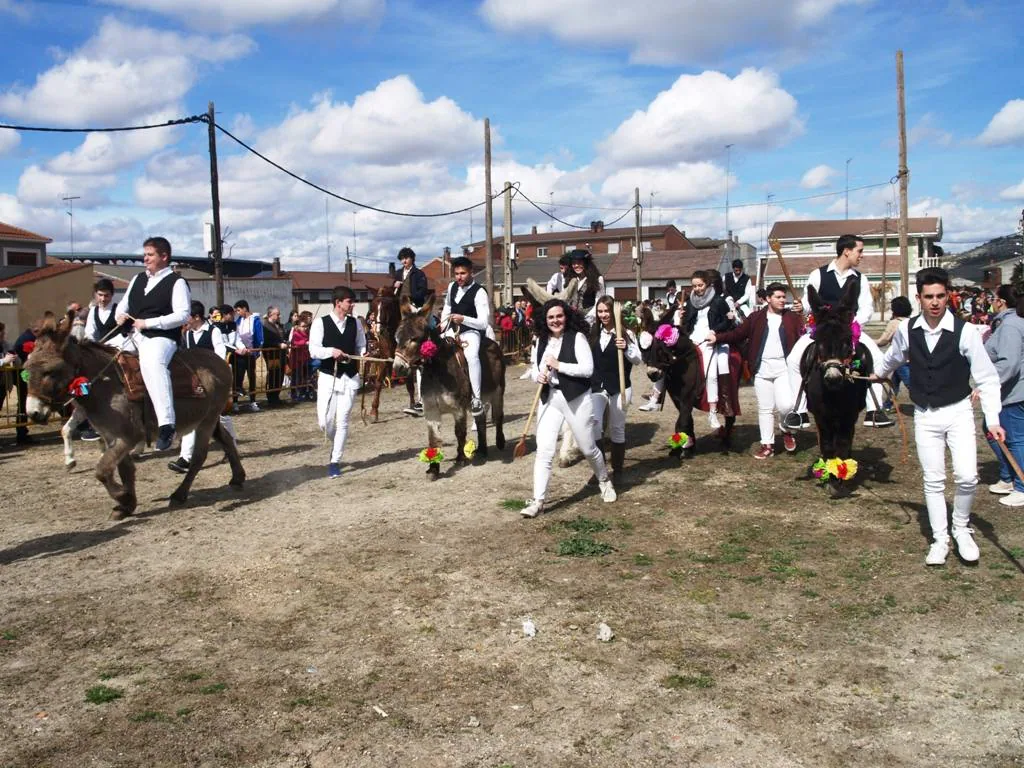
{"x": 121, "y": 511}
{"x": 179, "y": 496}
{"x": 434, "y": 471}
{"x": 69, "y": 465}
{"x": 236, "y": 482}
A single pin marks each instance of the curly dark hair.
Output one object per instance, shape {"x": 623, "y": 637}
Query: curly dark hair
{"x": 573, "y": 320}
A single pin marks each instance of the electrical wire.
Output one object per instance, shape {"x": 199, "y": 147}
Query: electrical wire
{"x": 120, "y": 129}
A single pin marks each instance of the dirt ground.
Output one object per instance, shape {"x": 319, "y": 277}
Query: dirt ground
{"x": 377, "y": 620}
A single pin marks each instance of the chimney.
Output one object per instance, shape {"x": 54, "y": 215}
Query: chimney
{"x": 391, "y": 269}
{"x": 533, "y": 230}
{"x": 597, "y": 226}
{"x": 275, "y": 268}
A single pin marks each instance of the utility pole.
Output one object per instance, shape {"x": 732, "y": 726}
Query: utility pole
{"x": 848, "y": 186}
{"x": 509, "y": 263}
{"x": 488, "y": 215}
{"x": 638, "y": 254}
{"x": 904, "y": 174}
{"x": 767, "y": 203}
{"x": 885, "y": 258}
{"x": 551, "y": 222}
{"x": 218, "y": 250}
{"x": 348, "y": 268}
{"x": 327, "y": 235}
{"x": 70, "y": 200}
{"x": 355, "y": 248}
{"x": 728, "y": 163}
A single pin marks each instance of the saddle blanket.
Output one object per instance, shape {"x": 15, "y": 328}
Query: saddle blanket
{"x": 184, "y": 381}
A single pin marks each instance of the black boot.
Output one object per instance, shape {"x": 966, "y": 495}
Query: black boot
{"x": 618, "y": 459}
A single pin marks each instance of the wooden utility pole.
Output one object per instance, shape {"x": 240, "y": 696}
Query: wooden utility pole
{"x": 218, "y": 267}
{"x": 638, "y": 257}
{"x": 885, "y": 262}
{"x": 506, "y": 280}
{"x": 904, "y": 174}
{"x": 488, "y": 214}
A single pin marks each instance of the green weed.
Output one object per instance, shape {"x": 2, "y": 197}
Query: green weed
{"x": 677, "y": 682}
{"x": 583, "y": 546}
{"x": 102, "y": 694}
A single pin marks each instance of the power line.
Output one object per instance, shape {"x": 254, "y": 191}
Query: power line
{"x": 119, "y": 129}
{"x": 777, "y": 202}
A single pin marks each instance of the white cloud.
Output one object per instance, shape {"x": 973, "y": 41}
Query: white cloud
{"x": 926, "y": 130}
{"x": 121, "y": 72}
{"x": 1007, "y": 127}
{"x": 700, "y": 114}
{"x": 818, "y": 177}
{"x": 664, "y": 31}
{"x": 1016, "y": 192}
{"x": 109, "y": 152}
{"x": 8, "y": 141}
{"x": 681, "y": 184}
{"x": 40, "y": 187}
{"x": 964, "y": 224}
{"x": 233, "y": 13}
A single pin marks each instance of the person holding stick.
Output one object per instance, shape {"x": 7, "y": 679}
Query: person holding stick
{"x": 945, "y": 353}
{"x": 562, "y": 366}
{"x": 615, "y": 353}
{"x": 1005, "y": 348}
{"x": 334, "y": 339}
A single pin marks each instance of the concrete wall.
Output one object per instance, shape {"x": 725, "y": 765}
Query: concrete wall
{"x": 260, "y": 292}
{"x": 53, "y": 293}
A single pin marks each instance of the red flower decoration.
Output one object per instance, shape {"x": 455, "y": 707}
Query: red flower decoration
{"x": 432, "y": 453}
{"x": 842, "y": 471}
{"x": 428, "y": 349}
{"x": 28, "y": 346}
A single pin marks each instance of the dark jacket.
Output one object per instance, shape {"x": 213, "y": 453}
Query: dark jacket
{"x": 414, "y": 286}
{"x": 755, "y": 328}
{"x": 718, "y": 316}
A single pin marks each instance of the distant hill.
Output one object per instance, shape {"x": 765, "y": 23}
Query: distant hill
{"x": 998, "y": 249}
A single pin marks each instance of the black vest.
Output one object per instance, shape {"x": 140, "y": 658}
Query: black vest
{"x": 205, "y": 340}
{"x": 606, "y": 367}
{"x": 571, "y": 386}
{"x": 102, "y": 329}
{"x": 345, "y": 341}
{"x": 830, "y": 291}
{"x": 734, "y": 288}
{"x": 467, "y": 304}
{"x": 156, "y": 303}
{"x": 942, "y": 376}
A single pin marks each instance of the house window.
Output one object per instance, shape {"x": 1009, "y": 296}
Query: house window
{"x": 646, "y": 245}
{"x": 613, "y": 247}
{"x": 542, "y": 252}
{"x": 568, "y": 248}
{"x": 818, "y": 247}
{"x": 22, "y": 258}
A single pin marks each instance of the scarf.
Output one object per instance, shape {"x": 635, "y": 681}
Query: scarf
{"x": 700, "y": 302}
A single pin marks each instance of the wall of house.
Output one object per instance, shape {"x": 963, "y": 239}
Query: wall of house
{"x": 53, "y": 293}
{"x": 260, "y": 292}
{"x": 20, "y": 246}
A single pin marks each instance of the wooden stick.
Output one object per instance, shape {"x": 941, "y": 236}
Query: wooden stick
{"x": 617, "y": 313}
{"x": 520, "y": 450}
{"x": 1011, "y": 461}
{"x": 775, "y": 246}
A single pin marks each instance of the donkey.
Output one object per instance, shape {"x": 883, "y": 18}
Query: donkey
{"x": 445, "y": 385}
{"x": 383, "y": 319}
{"x": 58, "y": 359}
{"x": 679, "y": 364}
{"x": 828, "y": 367}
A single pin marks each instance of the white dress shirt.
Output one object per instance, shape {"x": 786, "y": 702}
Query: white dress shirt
{"x": 316, "y": 336}
{"x": 583, "y": 367}
{"x": 483, "y": 310}
{"x": 220, "y": 346}
{"x": 181, "y": 301}
{"x": 90, "y": 322}
{"x": 865, "y": 304}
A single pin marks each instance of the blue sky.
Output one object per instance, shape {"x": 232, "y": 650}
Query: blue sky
{"x": 384, "y": 101}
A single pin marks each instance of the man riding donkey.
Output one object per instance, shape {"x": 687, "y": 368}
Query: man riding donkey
{"x": 467, "y": 314}
{"x": 155, "y": 307}
{"x": 412, "y": 283}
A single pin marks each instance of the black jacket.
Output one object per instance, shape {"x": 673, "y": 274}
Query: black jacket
{"x": 718, "y": 316}
{"x": 416, "y": 287}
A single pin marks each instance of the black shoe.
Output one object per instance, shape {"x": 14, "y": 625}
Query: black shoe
{"x": 878, "y": 419}
{"x": 90, "y": 435}
{"x": 165, "y": 437}
{"x": 24, "y": 438}
{"x": 179, "y": 465}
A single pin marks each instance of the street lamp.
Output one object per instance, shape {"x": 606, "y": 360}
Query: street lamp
{"x": 728, "y": 160}
{"x": 70, "y": 200}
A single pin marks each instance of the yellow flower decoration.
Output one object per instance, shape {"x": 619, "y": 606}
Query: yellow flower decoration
{"x": 469, "y": 449}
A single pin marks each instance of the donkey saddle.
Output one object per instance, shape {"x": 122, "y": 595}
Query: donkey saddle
{"x": 185, "y": 382}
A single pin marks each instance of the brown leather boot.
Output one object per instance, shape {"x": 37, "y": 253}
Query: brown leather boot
{"x": 618, "y": 458}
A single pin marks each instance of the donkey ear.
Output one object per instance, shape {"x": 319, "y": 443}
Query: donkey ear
{"x": 406, "y": 306}
{"x": 813, "y": 299}
{"x": 428, "y": 308}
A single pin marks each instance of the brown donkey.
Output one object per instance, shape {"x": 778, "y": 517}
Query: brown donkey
{"x": 58, "y": 359}
{"x": 445, "y": 386}
{"x": 382, "y": 324}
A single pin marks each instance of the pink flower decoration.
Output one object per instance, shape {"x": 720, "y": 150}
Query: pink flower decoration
{"x": 428, "y": 349}
{"x": 855, "y": 330}
{"x": 668, "y": 334}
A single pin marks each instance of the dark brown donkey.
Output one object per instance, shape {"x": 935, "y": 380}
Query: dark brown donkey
{"x": 445, "y": 386}
{"x": 382, "y": 324}
{"x": 58, "y": 359}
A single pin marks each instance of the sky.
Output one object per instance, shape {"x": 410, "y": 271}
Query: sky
{"x": 770, "y": 103}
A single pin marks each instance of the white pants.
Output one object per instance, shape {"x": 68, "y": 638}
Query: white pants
{"x": 155, "y": 355}
{"x": 774, "y": 394}
{"x": 334, "y": 400}
{"x": 580, "y": 416}
{"x": 616, "y": 414}
{"x": 720, "y": 354}
{"x": 188, "y": 442}
{"x": 793, "y": 363}
{"x": 471, "y": 348}
{"x": 935, "y": 429}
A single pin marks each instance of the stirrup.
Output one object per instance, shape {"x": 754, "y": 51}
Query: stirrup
{"x": 792, "y": 421}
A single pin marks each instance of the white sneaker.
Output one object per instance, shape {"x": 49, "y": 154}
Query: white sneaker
{"x": 253, "y": 407}
{"x": 1002, "y": 487}
{"x": 607, "y": 491}
{"x": 525, "y": 375}
{"x": 937, "y": 552}
{"x": 533, "y": 508}
{"x": 652, "y": 405}
{"x": 1013, "y": 499}
{"x": 713, "y": 421}
{"x": 965, "y": 544}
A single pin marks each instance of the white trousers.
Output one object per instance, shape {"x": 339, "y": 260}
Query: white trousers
{"x": 720, "y": 354}
{"x": 935, "y": 429}
{"x": 334, "y": 400}
{"x": 155, "y": 355}
{"x": 188, "y": 442}
{"x": 774, "y": 394}
{"x": 471, "y": 348}
{"x": 793, "y": 363}
{"x": 616, "y": 415}
{"x": 580, "y": 416}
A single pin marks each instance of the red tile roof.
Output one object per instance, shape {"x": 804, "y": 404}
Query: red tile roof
{"x": 10, "y": 232}
{"x": 833, "y": 228}
{"x": 41, "y": 274}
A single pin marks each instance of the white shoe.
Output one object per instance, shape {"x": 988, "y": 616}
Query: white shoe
{"x": 525, "y": 375}
{"x": 937, "y": 552}
{"x": 1002, "y": 487}
{"x": 652, "y": 405}
{"x": 1013, "y": 499}
{"x": 965, "y": 544}
{"x": 533, "y": 508}
{"x": 607, "y": 491}
{"x": 253, "y": 407}
{"x": 713, "y": 421}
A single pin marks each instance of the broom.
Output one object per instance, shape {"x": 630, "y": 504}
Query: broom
{"x": 520, "y": 450}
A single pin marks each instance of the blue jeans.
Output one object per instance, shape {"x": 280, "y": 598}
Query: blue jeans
{"x": 1012, "y": 420}
{"x": 901, "y": 374}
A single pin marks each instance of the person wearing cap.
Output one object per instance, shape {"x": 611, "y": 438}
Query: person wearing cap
{"x": 561, "y": 278}
{"x": 740, "y": 291}
{"x": 200, "y": 334}
{"x": 590, "y": 284}
{"x": 467, "y": 312}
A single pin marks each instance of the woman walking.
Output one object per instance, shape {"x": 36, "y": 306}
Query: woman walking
{"x": 605, "y": 392}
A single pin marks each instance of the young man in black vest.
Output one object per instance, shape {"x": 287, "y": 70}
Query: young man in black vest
{"x": 945, "y": 353}
{"x": 830, "y": 281}
{"x": 739, "y": 288}
{"x": 466, "y": 306}
{"x": 333, "y": 339}
{"x": 412, "y": 282}
{"x": 101, "y": 320}
{"x": 200, "y": 334}
{"x": 155, "y": 306}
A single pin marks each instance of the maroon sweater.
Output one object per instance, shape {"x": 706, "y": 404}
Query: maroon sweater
{"x": 755, "y": 328}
